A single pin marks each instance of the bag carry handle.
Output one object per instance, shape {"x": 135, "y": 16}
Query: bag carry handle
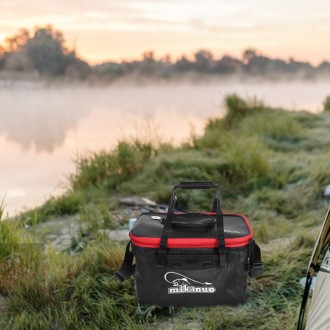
{"x": 168, "y": 221}
{"x": 195, "y": 185}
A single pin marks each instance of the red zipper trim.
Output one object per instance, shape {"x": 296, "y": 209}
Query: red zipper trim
{"x": 154, "y": 242}
{"x": 172, "y": 243}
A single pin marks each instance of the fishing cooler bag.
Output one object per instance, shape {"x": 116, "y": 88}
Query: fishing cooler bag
{"x": 191, "y": 259}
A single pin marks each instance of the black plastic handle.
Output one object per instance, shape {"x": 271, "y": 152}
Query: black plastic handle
{"x": 195, "y": 185}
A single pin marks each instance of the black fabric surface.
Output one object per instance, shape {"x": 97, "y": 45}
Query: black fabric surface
{"x": 146, "y": 226}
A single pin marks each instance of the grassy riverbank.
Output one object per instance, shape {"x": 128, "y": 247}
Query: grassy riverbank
{"x": 272, "y": 165}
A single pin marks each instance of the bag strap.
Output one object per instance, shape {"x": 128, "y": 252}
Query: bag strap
{"x": 127, "y": 269}
{"x": 255, "y": 264}
{"x": 161, "y": 260}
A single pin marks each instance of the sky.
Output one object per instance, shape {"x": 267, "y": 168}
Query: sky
{"x": 104, "y": 30}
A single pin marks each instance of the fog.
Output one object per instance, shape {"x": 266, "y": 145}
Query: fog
{"x": 43, "y": 128}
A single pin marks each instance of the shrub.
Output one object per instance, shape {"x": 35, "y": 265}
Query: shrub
{"x": 274, "y": 124}
{"x": 247, "y": 162}
{"x": 111, "y": 168}
{"x": 238, "y": 108}
{"x": 69, "y": 203}
{"x": 320, "y": 171}
{"x": 214, "y": 137}
{"x": 326, "y": 104}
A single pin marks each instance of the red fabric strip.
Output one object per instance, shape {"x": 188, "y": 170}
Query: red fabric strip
{"x": 154, "y": 242}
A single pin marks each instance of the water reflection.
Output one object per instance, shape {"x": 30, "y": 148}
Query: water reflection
{"x": 39, "y": 118}
{"x": 42, "y": 129}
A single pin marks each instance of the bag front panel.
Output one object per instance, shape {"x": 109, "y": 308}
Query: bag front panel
{"x": 188, "y": 282}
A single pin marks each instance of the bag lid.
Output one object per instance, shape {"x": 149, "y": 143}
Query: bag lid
{"x": 199, "y": 234}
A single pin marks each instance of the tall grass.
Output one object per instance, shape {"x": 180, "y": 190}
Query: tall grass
{"x": 238, "y": 108}
{"x": 20, "y": 258}
{"x": 126, "y": 160}
{"x": 78, "y": 293}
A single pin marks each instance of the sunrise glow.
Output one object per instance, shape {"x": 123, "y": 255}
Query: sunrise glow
{"x": 116, "y": 30}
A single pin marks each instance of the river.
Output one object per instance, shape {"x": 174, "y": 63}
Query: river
{"x": 43, "y": 129}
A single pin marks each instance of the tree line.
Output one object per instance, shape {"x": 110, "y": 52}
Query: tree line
{"x": 43, "y": 52}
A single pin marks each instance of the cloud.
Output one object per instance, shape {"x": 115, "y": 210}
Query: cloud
{"x": 173, "y": 25}
{"x": 96, "y": 14}
{"x": 232, "y": 26}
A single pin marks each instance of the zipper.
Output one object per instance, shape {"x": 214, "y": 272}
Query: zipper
{"x": 154, "y": 242}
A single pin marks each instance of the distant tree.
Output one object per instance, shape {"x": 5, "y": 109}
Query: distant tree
{"x": 130, "y": 67}
{"x": 227, "y": 64}
{"x": 167, "y": 59}
{"x": 2, "y": 57}
{"x": 279, "y": 66}
{"x": 18, "y": 41}
{"x": 296, "y": 66}
{"x": 324, "y": 68}
{"x": 43, "y": 52}
{"x": 256, "y": 64}
{"x": 109, "y": 70}
{"x": 46, "y": 51}
{"x": 18, "y": 61}
{"x": 148, "y": 66}
{"x": 11, "y": 56}
{"x": 75, "y": 67}
{"x": 183, "y": 64}
{"x": 165, "y": 67}
{"x": 203, "y": 61}
{"x": 148, "y": 57}
{"x": 249, "y": 55}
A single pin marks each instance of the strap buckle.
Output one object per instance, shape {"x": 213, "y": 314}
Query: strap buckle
{"x": 256, "y": 269}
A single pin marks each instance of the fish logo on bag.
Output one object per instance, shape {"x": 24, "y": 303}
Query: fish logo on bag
{"x": 183, "y": 284}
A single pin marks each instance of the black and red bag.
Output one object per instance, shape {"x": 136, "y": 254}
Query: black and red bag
{"x": 191, "y": 259}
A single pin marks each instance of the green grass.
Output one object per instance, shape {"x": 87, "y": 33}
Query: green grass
{"x": 20, "y": 258}
{"x": 125, "y": 161}
{"x": 82, "y": 292}
{"x": 272, "y": 165}
{"x": 79, "y": 292}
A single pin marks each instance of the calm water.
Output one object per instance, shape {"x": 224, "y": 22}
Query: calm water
{"x": 43, "y": 129}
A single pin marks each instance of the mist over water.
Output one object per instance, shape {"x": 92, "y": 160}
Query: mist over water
{"x": 42, "y": 129}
